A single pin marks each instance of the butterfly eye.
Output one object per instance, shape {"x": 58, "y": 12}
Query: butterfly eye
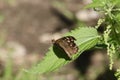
{"x": 53, "y": 41}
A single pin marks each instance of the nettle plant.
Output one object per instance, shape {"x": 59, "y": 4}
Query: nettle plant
{"x": 89, "y": 37}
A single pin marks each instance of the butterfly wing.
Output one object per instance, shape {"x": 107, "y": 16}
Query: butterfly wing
{"x": 68, "y": 45}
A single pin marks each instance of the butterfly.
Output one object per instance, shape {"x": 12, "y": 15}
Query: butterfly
{"x": 67, "y": 44}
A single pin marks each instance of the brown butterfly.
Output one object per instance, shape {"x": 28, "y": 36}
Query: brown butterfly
{"x": 67, "y": 44}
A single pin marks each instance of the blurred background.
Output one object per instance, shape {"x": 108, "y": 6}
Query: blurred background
{"x": 27, "y": 28}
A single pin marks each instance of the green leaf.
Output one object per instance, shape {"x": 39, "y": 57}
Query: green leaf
{"x": 116, "y": 2}
{"x": 117, "y": 74}
{"x": 118, "y": 17}
{"x": 96, "y": 3}
{"x": 102, "y": 3}
{"x": 85, "y": 39}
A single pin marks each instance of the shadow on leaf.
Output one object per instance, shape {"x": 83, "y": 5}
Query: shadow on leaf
{"x": 59, "y": 52}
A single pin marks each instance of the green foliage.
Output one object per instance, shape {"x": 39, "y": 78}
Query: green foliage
{"x": 8, "y": 70}
{"x": 85, "y": 40}
{"x": 111, "y": 35}
{"x": 117, "y": 74}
